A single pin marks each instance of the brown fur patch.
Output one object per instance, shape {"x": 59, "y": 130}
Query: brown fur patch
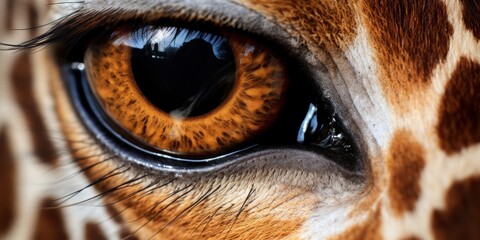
{"x": 318, "y": 22}
{"x": 411, "y": 238}
{"x": 409, "y": 38}
{"x": 461, "y": 217}
{"x": 459, "y": 112}
{"x": 369, "y": 229}
{"x": 9, "y": 16}
{"x": 93, "y": 232}
{"x": 8, "y": 184}
{"x": 114, "y": 214}
{"x": 405, "y": 163}
{"x": 21, "y": 78}
{"x": 32, "y": 18}
{"x": 49, "y": 224}
{"x": 127, "y": 235}
{"x": 471, "y": 16}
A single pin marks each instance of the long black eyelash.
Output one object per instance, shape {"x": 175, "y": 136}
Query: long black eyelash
{"x": 115, "y": 172}
{"x": 67, "y": 29}
{"x": 188, "y": 209}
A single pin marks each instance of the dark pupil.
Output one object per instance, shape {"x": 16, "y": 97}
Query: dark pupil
{"x": 184, "y": 73}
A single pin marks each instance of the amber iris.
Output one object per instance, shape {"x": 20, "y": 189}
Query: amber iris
{"x": 186, "y": 92}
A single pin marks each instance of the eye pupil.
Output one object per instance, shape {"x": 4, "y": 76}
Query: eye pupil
{"x": 185, "y": 73}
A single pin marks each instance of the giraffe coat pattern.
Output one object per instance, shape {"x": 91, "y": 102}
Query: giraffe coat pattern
{"x": 403, "y": 77}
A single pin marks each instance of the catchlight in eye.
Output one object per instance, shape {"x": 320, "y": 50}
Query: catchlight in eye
{"x": 186, "y": 92}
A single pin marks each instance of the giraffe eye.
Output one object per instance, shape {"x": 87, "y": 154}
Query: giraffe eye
{"x": 186, "y": 92}
{"x": 191, "y": 96}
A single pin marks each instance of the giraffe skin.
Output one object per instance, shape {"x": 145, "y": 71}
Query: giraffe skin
{"x": 402, "y": 75}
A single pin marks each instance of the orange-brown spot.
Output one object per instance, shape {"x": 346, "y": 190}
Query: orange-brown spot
{"x": 8, "y": 184}
{"x": 93, "y": 231}
{"x": 319, "y": 22}
{"x": 461, "y": 215}
{"x": 405, "y": 163}
{"x": 49, "y": 224}
{"x": 21, "y": 78}
{"x": 369, "y": 229}
{"x": 471, "y": 16}
{"x": 459, "y": 112}
{"x": 409, "y": 39}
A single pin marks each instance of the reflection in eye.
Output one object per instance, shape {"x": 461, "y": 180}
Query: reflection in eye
{"x": 194, "y": 94}
{"x": 186, "y": 92}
